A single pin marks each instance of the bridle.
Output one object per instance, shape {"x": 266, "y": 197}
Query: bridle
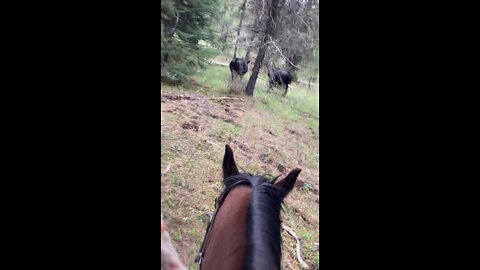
{"x": 230, "y": 183}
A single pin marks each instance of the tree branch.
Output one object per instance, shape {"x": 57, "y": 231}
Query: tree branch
{"x": 278, "y": 49}
{"x": 303, "y": 264}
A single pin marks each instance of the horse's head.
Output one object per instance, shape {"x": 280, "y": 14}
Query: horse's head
{"x": 230, "y": 169}
{"x": 244, "y": 232}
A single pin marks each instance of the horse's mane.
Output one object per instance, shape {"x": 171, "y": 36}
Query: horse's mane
{"x": 263, "y": 225}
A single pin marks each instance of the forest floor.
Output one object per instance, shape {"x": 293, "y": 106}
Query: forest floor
{"x": 268, "y": 134}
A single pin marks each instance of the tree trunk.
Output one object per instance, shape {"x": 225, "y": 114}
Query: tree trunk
{"x": 267, "y": 61}
{"x": 256, "y": 68}
{"x": 239, "y": 28}
{"x": 251, "y": 38}
{"x": 223, "y": 29}
{"x": 224, "y": 43}
{"x": 263, "y": 48}
{"x": 247, "y": 55}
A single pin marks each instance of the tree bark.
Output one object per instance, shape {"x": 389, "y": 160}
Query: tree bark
{"x": 223, "y": 29}
{"x": 247, "y": 55}
{"x": 263, "y": 48}
{"x": 239, "y": 28}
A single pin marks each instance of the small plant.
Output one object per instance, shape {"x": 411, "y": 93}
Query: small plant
{"x": 307, "y": 186}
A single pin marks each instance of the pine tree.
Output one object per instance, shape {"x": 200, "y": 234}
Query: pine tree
{"x": 186, "y": 33}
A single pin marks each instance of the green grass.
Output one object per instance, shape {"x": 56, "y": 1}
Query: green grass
{"x": 224, "y": 130}
{"x": 299, "y": 98}
{"x": 215, "y": 77}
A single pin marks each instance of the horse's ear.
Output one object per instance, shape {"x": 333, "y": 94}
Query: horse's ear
{"x": 229, "y": 166}
{"x": 289, "y": 181}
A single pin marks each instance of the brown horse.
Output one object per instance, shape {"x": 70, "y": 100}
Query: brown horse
{"x": 244, "y": 232}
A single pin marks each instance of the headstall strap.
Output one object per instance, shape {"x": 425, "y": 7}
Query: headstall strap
{"x": 242, "y": 179}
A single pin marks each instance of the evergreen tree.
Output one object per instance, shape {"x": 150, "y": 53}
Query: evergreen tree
{"x": 187, "y": 36}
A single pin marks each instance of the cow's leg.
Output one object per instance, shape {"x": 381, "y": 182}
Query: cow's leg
{"x": 286, "y": 90}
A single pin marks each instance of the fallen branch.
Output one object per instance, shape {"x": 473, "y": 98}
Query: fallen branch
{"x": 303, "y": 264}
{"x": 212, "y": 143}
{"x": 167, "y": 169}
{"x": 280, "y": 51}
{"x": 230, "y": 98}
{"x": 217, "y": 63}
{"x": 306, "y": 83}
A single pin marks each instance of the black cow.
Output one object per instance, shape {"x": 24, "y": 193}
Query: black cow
{"x": 280, "y": 77}
{"x": 240, "y": 66}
